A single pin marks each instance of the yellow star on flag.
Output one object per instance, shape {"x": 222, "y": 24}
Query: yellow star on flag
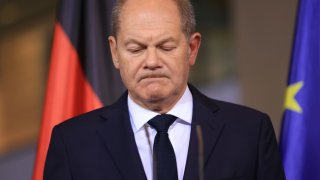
{"x": 290, "y": 100}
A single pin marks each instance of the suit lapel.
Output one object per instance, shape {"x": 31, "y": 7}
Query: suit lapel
{"x": 117, "y": 135}
{"x": 203, "y": 115}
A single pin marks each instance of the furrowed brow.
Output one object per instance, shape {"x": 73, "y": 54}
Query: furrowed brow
{"x": 169, "y": 39}
{"x": 133, "y": 41}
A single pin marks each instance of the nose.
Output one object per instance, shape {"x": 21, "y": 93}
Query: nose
{"x": 152, "y": 60}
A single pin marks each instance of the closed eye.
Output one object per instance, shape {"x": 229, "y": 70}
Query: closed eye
{"x": 135, "y": 50}
{"x": 167, "y": 48}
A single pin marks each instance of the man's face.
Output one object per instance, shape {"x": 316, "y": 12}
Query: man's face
{"x": 152, "y": 53}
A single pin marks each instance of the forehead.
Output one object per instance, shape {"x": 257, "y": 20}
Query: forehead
{"x": 149, "y": 14}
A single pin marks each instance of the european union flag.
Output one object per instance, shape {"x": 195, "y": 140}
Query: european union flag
{"x": 300, "y": 136}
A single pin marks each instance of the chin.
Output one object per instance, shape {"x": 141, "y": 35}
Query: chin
{"x": 155, "y": 96}
{"x": 154, "y": 88}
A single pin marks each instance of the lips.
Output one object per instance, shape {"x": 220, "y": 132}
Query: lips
{"x": 152, "y": 76}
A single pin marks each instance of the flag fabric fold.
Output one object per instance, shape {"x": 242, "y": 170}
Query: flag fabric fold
{"x": 81, "y": 75}
{"x": 300, "y": 135}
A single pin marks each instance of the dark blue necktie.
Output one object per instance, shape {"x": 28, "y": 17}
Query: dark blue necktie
{"x": 164, "y": 159}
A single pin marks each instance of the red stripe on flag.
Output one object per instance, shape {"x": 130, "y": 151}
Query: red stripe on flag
{"x": 68, "y": 93}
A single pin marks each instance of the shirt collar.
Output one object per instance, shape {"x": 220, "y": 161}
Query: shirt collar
{"x": 182, "y": 110}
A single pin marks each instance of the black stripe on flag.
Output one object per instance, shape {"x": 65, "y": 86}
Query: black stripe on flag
{"x": 88, "y": 24}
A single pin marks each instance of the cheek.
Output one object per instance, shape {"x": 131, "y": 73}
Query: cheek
{"x": 184, "y": 68}
{"x": 180, "y": 66}
{"x": 128, "y": 71}
{"x": 125, "y": 71}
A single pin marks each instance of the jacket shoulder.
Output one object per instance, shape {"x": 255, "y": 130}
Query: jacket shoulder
{"x": 223, "y": 106}
{"x": 83, "y": 122}
{"x": 237, "y": 109}
{"x": 93, "y": 117}
{"x": 231, "y": 112}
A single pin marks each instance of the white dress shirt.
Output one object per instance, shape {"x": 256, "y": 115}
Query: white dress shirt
{"x": 179, "y": 131}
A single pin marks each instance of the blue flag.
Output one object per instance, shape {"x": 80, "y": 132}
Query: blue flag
{"x": 300, "y": 136}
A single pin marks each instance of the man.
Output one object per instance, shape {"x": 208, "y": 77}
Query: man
{"x": 153, "y": 47}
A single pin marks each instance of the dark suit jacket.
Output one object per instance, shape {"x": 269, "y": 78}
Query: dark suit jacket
{"x": 239, "y": 143}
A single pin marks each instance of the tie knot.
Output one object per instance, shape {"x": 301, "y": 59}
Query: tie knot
{"x": 162, "y": 122}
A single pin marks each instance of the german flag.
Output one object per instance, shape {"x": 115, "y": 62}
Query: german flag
{"x": 81, "y": 75}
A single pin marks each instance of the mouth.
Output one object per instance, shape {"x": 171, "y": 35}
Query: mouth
{"x": 152, "y": 77}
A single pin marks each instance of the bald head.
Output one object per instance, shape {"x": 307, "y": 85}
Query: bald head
{"x": 183, "y": 7}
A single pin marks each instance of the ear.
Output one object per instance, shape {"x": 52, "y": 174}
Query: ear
{"x": 113, "y": 48}
{"x": 194, "y": 45}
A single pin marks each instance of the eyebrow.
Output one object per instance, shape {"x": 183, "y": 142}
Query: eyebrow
{"x": 169, "y": 39}
{"x": 134, "y": 41}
